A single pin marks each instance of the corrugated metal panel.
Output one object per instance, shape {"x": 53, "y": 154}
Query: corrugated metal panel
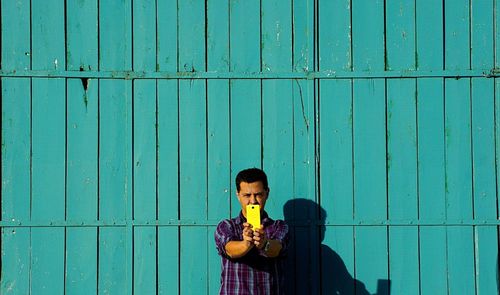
{"x": 125, "y": 122}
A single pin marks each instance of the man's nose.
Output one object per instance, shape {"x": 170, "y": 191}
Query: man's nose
{"x": 253, "y": 199}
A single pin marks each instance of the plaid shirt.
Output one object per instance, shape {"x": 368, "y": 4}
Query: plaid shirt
{"x": 255, "y": 273}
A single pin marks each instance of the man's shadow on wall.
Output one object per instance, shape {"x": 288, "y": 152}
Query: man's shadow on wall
{"x": 312, "y": 267}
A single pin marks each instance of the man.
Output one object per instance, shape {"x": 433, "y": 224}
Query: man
{"x": 252, "y": 258}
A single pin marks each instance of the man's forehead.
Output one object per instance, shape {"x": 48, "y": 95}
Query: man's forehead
{"x": 252, "y": 186}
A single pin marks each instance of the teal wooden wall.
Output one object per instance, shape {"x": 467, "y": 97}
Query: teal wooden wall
{"x": 124, "y": 123}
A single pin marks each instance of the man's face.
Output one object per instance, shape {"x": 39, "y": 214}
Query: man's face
{"x": 252, "y": 194}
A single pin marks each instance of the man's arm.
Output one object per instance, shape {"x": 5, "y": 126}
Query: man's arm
{"x": 237, "y": 249}
{"x": 273, "y": 249}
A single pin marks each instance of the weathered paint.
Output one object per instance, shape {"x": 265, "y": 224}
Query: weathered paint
{"x": 125, "y": 122}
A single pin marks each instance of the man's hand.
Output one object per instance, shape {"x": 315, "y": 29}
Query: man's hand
{"x": 248, "y": 234}
{"x": 259, "y": 238}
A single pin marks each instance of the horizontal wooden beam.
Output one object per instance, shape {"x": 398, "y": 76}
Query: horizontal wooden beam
{"x": 328, "y": 74}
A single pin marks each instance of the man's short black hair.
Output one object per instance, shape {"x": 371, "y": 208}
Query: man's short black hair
{"x": 251, "y": 175}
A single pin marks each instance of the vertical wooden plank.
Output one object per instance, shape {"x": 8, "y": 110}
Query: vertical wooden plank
{"x": 82, "y": 118}
{"x": 47, "y": 260}
{"x": 219, "y": 181}
{"x": 369, "y": 119}
{"x": 16, "y": 144}
{"x": 335, "y": 52}
{"x": 48, "y": 184}
{"x": 192, "y": 119}
{"x": 112, "y": 256}
{"x": 404, "y": 260}
{"x": 114, "y": 183}
{"x": 431, "y": 147}
{"x": 400, "y": 35}
{"x": 302, "y": 272}
{"x": 245, "y": 129}
{"x": 277, "y": 154}
{"x": 82, "y": 37}
{"x": 16, "y": 189}
{"x": 166, "y": 34}
{"x": 335, "y": 148}
{"x": 16, "y": 35}
{"x": 82, "y": 147}
{"x": 486, "y": 249}
{"x": 430, "y": 49}
{"x": 16, "y": 267}
{"x": 16, "y": 149}
{"x": 168, "y": 148}
{"x": 304, "y": 100}
{"x": 303, "y": 36}
{"x": 144, "y": 32}
{"x": 402, "y": 147}
{"x": 456, "y": 35}
{"x": 460, "y": 260}
{"x": 191, "y": 22}
{"x": 336, "y": 143}
{"x": 402, "y": 184}
{"x": 168, "y": 260}
{"x": 482, "y": 38}
{"x": 433, "y": 260}
{"x": 245, "y": 95}
{"x": 276, "y": 39}
{"x": 431, "y": 184}
{"x": 370, "y": 191}
{"x": 368, "y": 35}
{"x": 484, "y": 182}
{"x": 115, "y": 53}
{"x": 218, "y": 124}
{"x": 48, "y": 151}
{"x": 145, "y": 120}
{"x": 483, "y": 148}
{"x": 145, "y": 260}
{"x": 144, "y": 127}
{"x": 304, "y": 188}
{"x": 193, "y": 147}
{"x": 168, "y": 186}
{"x": 115, "y": 35}
{"x": 303, "y": 248}
{"x": 459, "y": 184}
{"x": 277, "y": 107}
{"x": 193, "y": 184}
{"x": 194, "y": 261}
{"x": 458, "y": 149}
{"x": 371, "y": 259}
{"x": 277, "y": 111}
{"x": 429, "y": 24}
{"x": 48, "y": 148}
{"x": 81, "y": 189}
{"x": 48, "y": 36}
{"x": 337, "y": 261}
{"x": 245, "y": 36}
{"x": 336, "y": 184}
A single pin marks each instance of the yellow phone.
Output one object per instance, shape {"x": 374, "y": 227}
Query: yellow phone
{"x": 253, "y": 215}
